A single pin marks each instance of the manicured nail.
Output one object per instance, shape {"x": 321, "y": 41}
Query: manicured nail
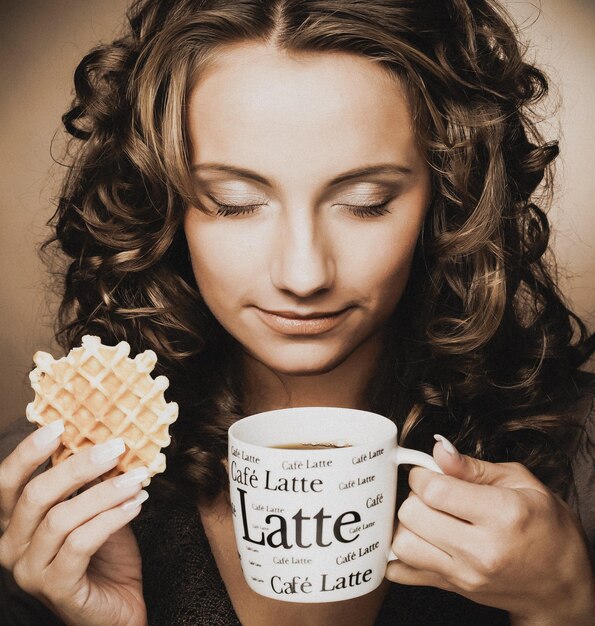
{"x": 103, "y": 452}
{"x": 48, "y": 433}
{"x": 448, "y": 447}
{"x": 132, "y": 477}
{"x": 139, "y": 498}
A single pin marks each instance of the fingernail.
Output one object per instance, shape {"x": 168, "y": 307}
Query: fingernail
{"x": 448, "y": 447}
{"x": 132, "y": 477}
{"x": 139, "y": 498}
{"x": 103, "y": 452}
{"x": 48, "y": 433}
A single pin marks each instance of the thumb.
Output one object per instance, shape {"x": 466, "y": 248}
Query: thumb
{"x": 467, "y": 468}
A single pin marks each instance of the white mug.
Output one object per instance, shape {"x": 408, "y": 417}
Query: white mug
{"x": 315, "y": 525}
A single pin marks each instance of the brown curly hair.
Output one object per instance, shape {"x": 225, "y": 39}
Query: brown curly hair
{"x": 482, "y": 347}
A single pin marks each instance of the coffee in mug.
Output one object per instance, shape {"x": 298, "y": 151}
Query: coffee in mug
{"x": 315, "y": 523}
{"x": 310, "y": 446}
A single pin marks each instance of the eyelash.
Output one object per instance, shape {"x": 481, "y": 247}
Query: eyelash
{"x": 372, "y": 210}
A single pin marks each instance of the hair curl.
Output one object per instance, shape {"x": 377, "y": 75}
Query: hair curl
{"x": 483, "y": 349}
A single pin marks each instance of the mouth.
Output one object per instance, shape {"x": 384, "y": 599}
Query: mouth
{"x": 311, "y": 323}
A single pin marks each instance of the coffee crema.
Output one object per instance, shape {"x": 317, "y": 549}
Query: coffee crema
{"x": 311, "y": 446}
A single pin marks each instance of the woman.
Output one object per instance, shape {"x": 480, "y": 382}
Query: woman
{"x": 316, "y": 203}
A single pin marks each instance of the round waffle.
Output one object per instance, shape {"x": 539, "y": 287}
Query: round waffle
{"x": 101, "y": 393}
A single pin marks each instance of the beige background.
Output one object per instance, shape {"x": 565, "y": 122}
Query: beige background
{"x": 41, "y": 43}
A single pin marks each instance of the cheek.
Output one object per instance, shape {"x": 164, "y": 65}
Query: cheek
{"x": 387, "y": 277}
{"x": 222, "y": 263}
{"x": 379, "y": 260}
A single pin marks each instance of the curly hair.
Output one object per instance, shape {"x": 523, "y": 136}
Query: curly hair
{"x": 482, "y": 346}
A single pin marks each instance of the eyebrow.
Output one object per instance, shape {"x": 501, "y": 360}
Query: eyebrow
{"x": 355, "y": 174}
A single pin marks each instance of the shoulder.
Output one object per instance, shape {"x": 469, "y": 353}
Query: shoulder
{"x": 581, "y": 451}
{"x": 12, "y": 434}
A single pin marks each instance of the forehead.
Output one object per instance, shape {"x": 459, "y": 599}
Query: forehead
{"x": 259, "y": 107}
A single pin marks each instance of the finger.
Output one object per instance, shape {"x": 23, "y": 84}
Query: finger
{"x": 418, "y": 553}
{"x": 55, "y": 484}
{"x": 66, "y": 516}
{"x": 512, "y": 475}
{"x": 72, "y": 561}
{"x": 404, "y": 574}
{"x": 17, "y": 467}
{"x": 459, "y": 498}
{"x": 440, "y": 529}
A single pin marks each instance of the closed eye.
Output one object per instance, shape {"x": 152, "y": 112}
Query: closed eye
{"x": 365, "y": 210}
{"x": 369, "y": 210}
{"x": 227, "y": 210}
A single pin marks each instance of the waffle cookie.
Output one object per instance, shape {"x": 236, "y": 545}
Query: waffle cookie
{"x": 101, "y": 393}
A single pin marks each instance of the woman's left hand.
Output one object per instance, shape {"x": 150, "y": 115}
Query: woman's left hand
{"x": 495, "y": 534}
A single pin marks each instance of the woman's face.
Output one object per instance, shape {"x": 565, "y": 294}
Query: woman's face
{"x": 322, "y": 191}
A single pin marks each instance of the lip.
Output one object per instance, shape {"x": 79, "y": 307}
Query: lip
{"x": 303, "y": 316}
{"x": 293, "y": 323}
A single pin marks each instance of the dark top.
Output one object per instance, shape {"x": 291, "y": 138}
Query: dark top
{"x": 183, "y": 587}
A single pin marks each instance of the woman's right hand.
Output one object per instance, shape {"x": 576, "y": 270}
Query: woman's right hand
{"x": 78, "y": 556}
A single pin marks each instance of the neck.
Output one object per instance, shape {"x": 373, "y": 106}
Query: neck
{"x": 343, "y": 386}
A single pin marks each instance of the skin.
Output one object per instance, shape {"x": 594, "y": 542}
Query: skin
{"x": 303, "y": 248}
{"x": 78, "y": 556}
{"x": 300, "y": 122}
{"x": 495, "y": 534}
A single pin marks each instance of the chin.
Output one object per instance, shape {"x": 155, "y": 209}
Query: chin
{"x": 296, "y": 364}
{"x": 313, "y": 370}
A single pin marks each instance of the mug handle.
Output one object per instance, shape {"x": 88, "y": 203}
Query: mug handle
{"x": 400, "y": 456}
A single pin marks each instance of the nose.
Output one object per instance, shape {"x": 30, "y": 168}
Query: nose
{"x": 302, "y": 262}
